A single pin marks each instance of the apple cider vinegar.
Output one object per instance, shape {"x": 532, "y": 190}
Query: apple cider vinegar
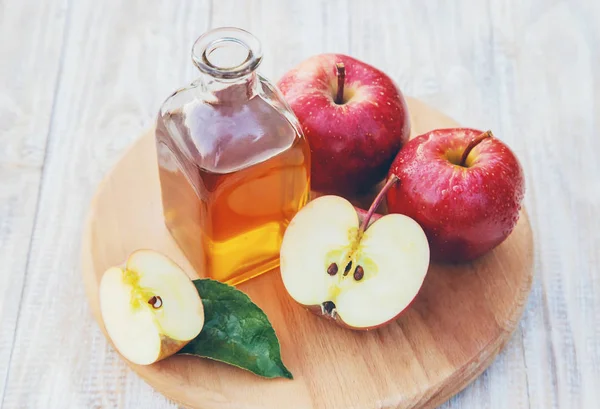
{"x": 231, "y": 225}
{"x": 234, "y": 167}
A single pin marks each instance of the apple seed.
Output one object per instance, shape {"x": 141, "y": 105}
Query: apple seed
{"x": 359, "y": 273}
{"x": 332, "y": 269}
{"x": 155, "y": 302}
{"x": 348, "y": 267}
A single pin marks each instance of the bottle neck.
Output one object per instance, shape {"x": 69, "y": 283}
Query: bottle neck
{"x": 227, "y": 59}
{"x": 230, "y": 91}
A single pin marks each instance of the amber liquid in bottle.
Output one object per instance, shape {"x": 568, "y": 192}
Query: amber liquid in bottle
{"x": 228, "y": 209}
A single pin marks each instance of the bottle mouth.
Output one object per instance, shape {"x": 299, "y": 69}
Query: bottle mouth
{"x": 227, "y": 53}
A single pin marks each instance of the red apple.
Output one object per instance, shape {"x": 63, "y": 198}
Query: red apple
{"x": 463, "y": 186}
{"x": 354, "y": 117}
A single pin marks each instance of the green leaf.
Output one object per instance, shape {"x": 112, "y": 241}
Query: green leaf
{"x": 236, "y": 332}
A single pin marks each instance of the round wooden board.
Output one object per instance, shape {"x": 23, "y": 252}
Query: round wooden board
{"x": 461, "y": 319}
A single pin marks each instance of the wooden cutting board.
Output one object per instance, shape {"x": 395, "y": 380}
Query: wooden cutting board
{"x": 462, "y": 318}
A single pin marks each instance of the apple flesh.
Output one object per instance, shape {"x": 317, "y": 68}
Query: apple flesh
{"x": 360, "y": 277}
{"x": 353, "y": 116}
{"x": 150, "y": 308}
{"x": 463, "y": 186}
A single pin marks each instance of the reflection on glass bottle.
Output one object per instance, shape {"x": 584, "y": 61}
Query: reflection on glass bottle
{"x": 234, "y": 166}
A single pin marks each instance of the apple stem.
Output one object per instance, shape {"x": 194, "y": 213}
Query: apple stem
{"x": 341, "y": 76}
{"x": 391, "y": 181}
{"x": 471, "y": 145}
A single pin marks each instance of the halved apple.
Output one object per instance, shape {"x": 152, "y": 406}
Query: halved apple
{"x": 150, "y": 308}
{"x": 362, "y": 277}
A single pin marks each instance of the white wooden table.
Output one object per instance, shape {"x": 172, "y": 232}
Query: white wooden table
{"x": 80, "y": 79}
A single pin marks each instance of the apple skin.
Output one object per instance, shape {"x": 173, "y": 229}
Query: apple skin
{"x": 464, "y": 211}
{"x": 352, "y": 144}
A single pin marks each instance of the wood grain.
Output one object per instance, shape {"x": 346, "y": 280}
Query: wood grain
{"x": 26, "y": 118}
{"x": 527, "y": 70}
{"x": 97, "y": 112}
{"x": 461, "y": 319}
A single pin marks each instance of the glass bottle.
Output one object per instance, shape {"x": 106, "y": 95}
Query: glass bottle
{"x": 234, "y": 166}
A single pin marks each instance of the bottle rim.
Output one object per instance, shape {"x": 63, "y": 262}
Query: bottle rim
{"x": 219, "y": 39}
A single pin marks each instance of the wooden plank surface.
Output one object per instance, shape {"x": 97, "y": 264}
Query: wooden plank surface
{"x": 82, "y": 79}
{"x": 29, "y": 78}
